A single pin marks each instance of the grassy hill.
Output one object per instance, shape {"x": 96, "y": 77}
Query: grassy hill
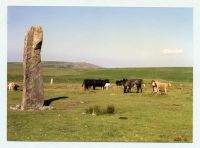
{"x": 55, "y": 64}
{"x": 74, "y": 65}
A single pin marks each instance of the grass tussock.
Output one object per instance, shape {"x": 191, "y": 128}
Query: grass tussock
{"x": 97, "y": 110}
{"x": 180, "y": 138}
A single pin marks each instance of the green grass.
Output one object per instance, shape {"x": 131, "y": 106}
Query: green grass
{"x": 150, "y": 118}
{"x": 64, "y": 75}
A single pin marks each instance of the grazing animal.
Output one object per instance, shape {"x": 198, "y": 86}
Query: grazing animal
{"x": 133, "y": 83}
{"x": 157, "y": 86}
{"x": 88, "y": 83}
{"x": 51, "y": 82}
{"x": 121, "y": 82}
{"x": 100, "y": 83}
{"x": 12, "y": 86}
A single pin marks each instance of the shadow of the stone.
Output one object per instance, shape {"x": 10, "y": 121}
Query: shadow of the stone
{"x": 49, "y": 101}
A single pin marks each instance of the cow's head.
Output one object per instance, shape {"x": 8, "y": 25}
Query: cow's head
{"x": 153, "y": 83}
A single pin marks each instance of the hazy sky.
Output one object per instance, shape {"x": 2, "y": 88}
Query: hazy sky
{"x": 106, "y": 36}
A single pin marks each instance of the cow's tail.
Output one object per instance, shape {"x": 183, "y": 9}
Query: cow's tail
{"x": 125, "y": 89}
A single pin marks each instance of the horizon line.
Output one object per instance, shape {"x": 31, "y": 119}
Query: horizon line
{"x": 112, "y": 67}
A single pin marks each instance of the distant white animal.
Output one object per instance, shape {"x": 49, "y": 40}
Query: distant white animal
{"x": 51, "y": 82}
{"x": 12, "y": 86}
{"x": 107, "y": 85}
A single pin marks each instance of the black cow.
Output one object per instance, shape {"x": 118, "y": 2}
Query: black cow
{"x": 88, "y": 83}
{"x": 100, "y": 83}
{"x": 120, "y": 82}
{"x": 133, "y": 83}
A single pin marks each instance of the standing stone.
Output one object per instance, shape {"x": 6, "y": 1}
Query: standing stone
{"x": 33, "y": 97}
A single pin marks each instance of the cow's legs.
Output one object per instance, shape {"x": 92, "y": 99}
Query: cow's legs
{"x": 153, "y": 89}
{"x": 158, "y": 91}
{"x": 137, "y": 89}
{"x": 12, "y": 87}
{"x": 129, "y": 89}
{"x": 124, "y": 89}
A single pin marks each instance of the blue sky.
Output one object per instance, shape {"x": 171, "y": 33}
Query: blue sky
{"x": 106, "y": 36}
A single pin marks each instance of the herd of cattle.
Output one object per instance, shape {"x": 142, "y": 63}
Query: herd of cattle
{"x": 105, "y": 84}
{"x": 127, "y": 84}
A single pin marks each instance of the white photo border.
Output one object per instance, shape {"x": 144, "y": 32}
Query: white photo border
{"x": 195, "y": 4}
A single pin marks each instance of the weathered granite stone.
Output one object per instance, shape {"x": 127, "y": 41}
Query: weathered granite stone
{"x": 33, "y": 97}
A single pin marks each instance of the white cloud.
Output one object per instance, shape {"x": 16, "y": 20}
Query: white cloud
{"x": 172, "y": 51}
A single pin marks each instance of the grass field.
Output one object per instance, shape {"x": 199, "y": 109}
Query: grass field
{"x": 150, "y": 118}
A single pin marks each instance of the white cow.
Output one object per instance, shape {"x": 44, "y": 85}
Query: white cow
{"x": 51, "y": 82}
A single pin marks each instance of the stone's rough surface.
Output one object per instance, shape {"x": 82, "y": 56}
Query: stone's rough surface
{"x": 33, "y": 97}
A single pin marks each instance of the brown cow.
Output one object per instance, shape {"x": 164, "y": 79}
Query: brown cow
{"x": 157, "y": 86}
